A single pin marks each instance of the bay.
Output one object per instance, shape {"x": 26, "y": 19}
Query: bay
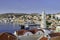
{"x": 9, "y": 27}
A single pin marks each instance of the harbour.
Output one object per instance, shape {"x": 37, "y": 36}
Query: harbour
{"x": 29, "y": 19}
{"x": 9, "y": 27}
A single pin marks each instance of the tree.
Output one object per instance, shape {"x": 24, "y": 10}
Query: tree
{"x": 48, "y": 23}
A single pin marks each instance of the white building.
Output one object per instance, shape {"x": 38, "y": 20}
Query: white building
{"x": 57, "y": 16}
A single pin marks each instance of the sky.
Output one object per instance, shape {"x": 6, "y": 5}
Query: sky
{"x": 29, "y": 6}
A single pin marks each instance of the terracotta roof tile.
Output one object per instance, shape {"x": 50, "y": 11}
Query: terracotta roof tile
{"x": 33, "y": 31}
{"x": 7, "y": 36}
{"x": 36, "y": 30}
{"x": 54, "y": 34}
{"x": 44, "y": 38}
{"x": 21, "y": 32}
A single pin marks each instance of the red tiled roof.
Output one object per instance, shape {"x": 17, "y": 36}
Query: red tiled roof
{"x": 7, "y": 36}
{"x": 21, "y": 32}
{"x": 41, "y": 30}
{"x": 44, "y": 38}
{"x": 35, "y": 30}
{"x": 54, "y": 34}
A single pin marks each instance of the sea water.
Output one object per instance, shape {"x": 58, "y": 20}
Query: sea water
{"x": 9, "y": 27}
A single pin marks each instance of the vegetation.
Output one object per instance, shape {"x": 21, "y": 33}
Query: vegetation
{"x": 48, "y": 23}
